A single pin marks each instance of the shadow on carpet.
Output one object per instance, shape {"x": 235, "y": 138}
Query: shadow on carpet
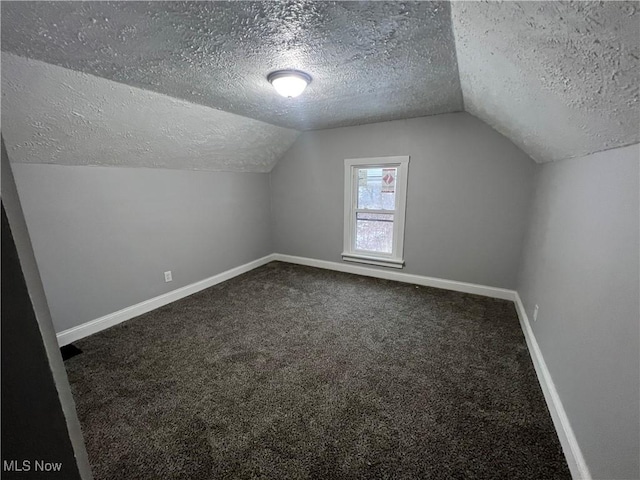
{"x": 292, "y": 372}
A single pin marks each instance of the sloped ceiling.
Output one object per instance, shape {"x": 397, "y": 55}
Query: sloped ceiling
{"x": 55, "y": 115}
{"x": 559, "y": 79}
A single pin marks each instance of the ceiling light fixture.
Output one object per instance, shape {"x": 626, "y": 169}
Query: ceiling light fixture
{"x": 289, "y": 83}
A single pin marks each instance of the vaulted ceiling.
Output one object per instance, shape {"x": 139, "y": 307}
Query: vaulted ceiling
{"x": 183, "y": 84}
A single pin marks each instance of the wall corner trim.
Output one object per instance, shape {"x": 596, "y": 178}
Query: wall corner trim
{"x": 94, "y": 326}
{"x": 397, "y": 276}
{"x": 570, "y": 446}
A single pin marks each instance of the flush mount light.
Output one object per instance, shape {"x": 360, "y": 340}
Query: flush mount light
{"x": 289, "y": 83}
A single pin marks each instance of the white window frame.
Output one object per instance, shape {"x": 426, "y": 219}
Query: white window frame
{"x": 394, "y": 259}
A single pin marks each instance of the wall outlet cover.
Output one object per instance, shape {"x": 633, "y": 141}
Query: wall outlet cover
{"x": 167, "y": 276}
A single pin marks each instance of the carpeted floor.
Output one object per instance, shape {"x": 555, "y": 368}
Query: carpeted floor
{"x": 291, "y": 372}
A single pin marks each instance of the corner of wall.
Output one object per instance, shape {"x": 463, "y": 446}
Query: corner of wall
{"x": 525, "y": 235}
{"x": 272, "y": 218}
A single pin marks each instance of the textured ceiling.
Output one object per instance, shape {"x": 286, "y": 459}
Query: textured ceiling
{"x": 219, "y": 53}
{"x": 55, "y": 115}
{"x": 560, "y": 79}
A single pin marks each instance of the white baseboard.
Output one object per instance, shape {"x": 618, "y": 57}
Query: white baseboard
{"x": 572, "y": 452}
{"x": 483, "y": 290}
{"x": 76, "y": 333}
{"x": 570, "y": 447}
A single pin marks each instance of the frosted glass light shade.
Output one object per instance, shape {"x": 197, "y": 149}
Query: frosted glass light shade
{"x": 289, "y": 83}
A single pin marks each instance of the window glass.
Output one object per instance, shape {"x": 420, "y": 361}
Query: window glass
{"x": 377, "y": 188}
{"x": 374, "y": 232}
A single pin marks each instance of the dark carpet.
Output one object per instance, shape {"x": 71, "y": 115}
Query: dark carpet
{"x": 291, "y": 372}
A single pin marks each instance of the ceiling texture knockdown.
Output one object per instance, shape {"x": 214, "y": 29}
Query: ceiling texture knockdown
{"x": 559, "y": 79}
{"x": 183, "y": 84}
{"x": 55, "y": 115}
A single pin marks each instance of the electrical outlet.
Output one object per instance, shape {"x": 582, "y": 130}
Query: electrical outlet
{"x": 535, "y": 313}
{"x": 167, "y": 276}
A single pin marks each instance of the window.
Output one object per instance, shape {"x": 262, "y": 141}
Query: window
{"x": 375, "y": 194}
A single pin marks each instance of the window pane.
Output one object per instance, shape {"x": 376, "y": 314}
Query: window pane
{"x": 377, "y": 188}
{"x": 374, "y": 232}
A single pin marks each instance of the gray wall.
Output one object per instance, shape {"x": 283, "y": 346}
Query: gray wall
{"x": 103, "y": 236}
{"x": 468, "y": 195}
{"x": 580, "y": 265}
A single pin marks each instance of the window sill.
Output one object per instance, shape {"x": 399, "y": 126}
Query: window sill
{"x": 370, "y": 260}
